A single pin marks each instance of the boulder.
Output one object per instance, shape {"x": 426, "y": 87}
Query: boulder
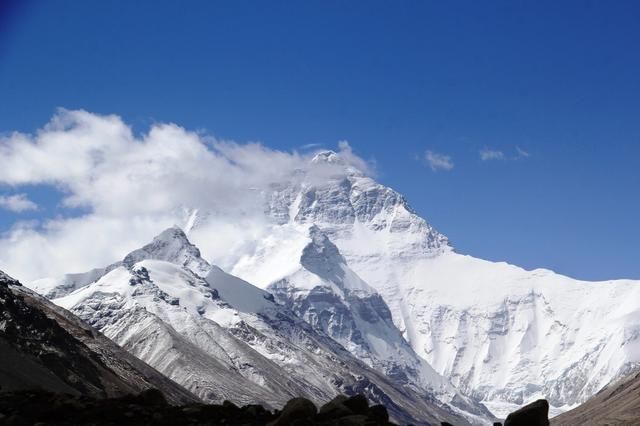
{"x": 357, "y": 403}
{"x": 378, "y": 414}
{"x": 534, "y": 414}
{"x": 335, "y": 409}
{"x": 296, "y": 411}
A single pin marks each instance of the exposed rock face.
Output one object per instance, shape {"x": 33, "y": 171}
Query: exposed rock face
{"x": 42, "y": 346}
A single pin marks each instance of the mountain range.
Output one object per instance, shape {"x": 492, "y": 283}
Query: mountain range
{"x": 347, "y": 290}
{"x": 225, "y": 339}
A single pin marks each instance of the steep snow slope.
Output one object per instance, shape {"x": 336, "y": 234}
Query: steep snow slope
{"x": 502, "y": 334}
{"x": 42, "y": 346}
{"x": 507, "y": 335}
{"x": 333, "y": 299}
{"x": 223, "y": 338}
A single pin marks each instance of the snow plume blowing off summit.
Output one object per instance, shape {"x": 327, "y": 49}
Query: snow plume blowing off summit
{"x": 128, "y": 187}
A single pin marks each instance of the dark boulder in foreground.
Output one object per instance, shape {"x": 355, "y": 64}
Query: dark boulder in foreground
{"x": 534, "y": 414}
{"x": 151, "y": 408}
{"x": 297, "y": 410}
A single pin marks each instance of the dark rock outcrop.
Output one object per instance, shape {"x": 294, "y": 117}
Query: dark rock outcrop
{"x": 297, "y": 411}
{"x": 151, "y": 408}
{"x": 43, "y": 346}
{"x": 534, "y": 414}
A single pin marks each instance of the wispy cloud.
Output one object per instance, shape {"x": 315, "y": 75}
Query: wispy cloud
{"x": 487, "y": 154}
{"x": 438, "y": 161}
{"x": 17, "y": 203}
{"x": 310, "y": 146}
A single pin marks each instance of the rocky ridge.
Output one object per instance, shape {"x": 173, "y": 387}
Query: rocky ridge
{"x": 45, "y": 347}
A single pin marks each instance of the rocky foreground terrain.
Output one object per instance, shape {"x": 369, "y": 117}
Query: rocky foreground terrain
{"x": 43, "y": 346}
{"x": 151, "y": 408}
{"x": 616, "y": 404}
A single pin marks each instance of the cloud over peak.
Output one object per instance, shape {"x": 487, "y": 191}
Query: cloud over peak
{"x": 131, "y": 186}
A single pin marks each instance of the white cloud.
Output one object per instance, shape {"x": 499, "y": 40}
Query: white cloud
{"x": 347, "y": 154}
{"x": 17, "y": 203}
{"x": 134, "y": 186}
{"x": 487, "y": 154}
{"x": 311, "y": 146}
{"x": 438, "y": 161}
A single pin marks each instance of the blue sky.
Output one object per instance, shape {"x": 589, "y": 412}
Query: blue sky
{"x": 558, "y": 81}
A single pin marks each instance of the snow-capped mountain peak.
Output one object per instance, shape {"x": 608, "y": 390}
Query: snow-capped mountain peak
{"x": 336, "y": 164}
{"x": 171, "y": 245}
{"x": 327, "y": 156}
{"x": 500, "y": 333}
{"x": 338, "y": 245}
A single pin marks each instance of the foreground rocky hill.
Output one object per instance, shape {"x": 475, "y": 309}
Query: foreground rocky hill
{"x": 42, "y": 346}
{"x": 151, "y": 408}
{"x": 616, "y": 404}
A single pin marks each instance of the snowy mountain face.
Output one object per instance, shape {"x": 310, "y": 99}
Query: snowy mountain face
{"x": 223, "y": 338}
{"x": 336, "y": 301}
{"x": 351, "y": 257}
{"x": 503, "y": 335}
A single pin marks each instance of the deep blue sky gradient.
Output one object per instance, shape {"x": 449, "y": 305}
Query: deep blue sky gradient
{"x": 560, "y": 80}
